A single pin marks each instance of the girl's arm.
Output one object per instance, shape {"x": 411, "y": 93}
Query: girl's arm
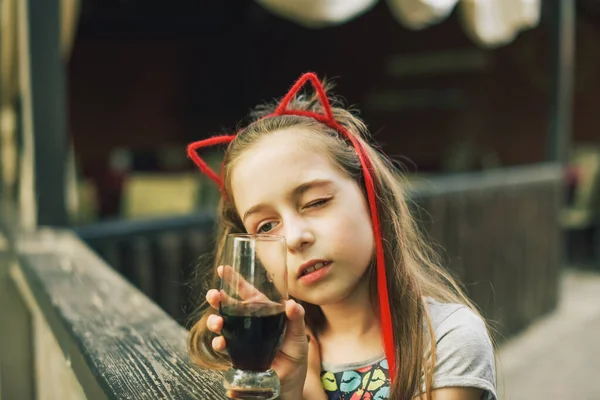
{"x": 313, "y": 388}
{"x": 454, "y": 393}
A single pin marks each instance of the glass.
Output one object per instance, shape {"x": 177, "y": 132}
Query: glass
{"x": 252, "y": 304}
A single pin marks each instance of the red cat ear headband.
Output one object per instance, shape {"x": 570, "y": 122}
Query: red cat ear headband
{"x": 367, "y": 168}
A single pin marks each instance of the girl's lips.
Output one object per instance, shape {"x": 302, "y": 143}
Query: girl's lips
{"x": 315, "y": 275}
{"x": 311, "y": 264}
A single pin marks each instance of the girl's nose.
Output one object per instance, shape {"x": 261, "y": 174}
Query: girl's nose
{"x": 298, "y": 234}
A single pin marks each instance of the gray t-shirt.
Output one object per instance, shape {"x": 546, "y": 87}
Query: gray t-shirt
{"x": 464, "y": 351}
{"x": 464, "y": 357}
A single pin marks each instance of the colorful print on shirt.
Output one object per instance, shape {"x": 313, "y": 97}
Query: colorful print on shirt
{"x": 369, "y": 383}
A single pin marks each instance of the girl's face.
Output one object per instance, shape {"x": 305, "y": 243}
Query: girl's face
{"x": 283, "y": 186}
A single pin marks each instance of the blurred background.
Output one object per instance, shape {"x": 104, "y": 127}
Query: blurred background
{"x": 489, "y": 105}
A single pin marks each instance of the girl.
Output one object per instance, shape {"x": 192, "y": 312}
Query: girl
{"x": 374, "y": 316}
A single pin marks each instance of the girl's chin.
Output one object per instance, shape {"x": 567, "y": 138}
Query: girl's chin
{"x": 321, "y": 299}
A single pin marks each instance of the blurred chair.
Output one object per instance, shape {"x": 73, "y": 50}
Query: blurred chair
{"x": 160, "y": 194}
{"x": 585, "y": 207}
{"x": 581, "y": 218}
{"x": 86, "y": 210}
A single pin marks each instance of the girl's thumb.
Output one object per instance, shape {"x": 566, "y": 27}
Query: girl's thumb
{"x": 295, "y": 344}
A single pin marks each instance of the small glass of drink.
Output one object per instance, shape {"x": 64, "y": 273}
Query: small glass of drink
{"x": 252, "y": 304}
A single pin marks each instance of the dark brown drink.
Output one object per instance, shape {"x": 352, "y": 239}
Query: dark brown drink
{"x": 250, "y": 394}
{"x": 253, "y": 334}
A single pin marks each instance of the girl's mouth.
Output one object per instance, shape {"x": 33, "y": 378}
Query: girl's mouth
{"x": 313, "y": 271}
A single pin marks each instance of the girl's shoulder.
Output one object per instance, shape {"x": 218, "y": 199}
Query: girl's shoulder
{"x": 464, "y": 349}
{"x": 445, "y": 316}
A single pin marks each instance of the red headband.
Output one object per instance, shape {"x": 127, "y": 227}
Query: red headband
{"x": 367, "y": 169}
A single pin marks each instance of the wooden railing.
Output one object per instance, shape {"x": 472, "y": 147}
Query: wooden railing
{"x": 157, "y": 255}
{"x": 499, "y": 232}
{"x": 73, "y": 328}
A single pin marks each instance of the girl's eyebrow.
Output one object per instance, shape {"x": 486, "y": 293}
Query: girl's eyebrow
{"x": 296, "y": 192}
{"x": 305, "y": 187}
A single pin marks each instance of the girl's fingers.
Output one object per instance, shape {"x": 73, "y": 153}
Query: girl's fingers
{"x": 239, "y": 285}
{"x": 295, "y": 311}
{"x": 218, "y": 343}
{"x": 295, "y": 343}
{"x": 213, "y": 297}
{"x": 214, "y": 323}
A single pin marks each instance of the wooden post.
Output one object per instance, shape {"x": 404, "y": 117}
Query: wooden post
{"x": 8, "y": 88}
{"x": 3, "y": 184}
{"x": 45, "y": 106}
{"x": 16, "y": 344}
{"x": 562, "y": 50}
{"x": 562, "y": 29}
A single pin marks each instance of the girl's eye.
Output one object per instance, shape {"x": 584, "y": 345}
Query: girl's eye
{"x": 266, "y": 227}
{"x": 318, "y": 203}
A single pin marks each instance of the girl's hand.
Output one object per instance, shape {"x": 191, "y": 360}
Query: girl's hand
{"x": 313, "y": 388}
{"x": 291, "y": 361}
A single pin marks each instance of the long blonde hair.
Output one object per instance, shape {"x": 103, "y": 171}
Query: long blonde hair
{"x": 413, "y": 269}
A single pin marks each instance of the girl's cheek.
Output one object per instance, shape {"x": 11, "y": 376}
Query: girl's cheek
{"x": 292, "y": 290}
